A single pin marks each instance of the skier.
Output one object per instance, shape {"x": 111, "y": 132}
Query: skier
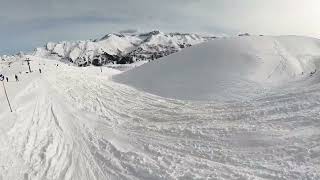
{"x": 7, "y": 79}
{"x": 17, "y": 79}
{"x": 40, "y": 71}
{"x": 312, "y": 73}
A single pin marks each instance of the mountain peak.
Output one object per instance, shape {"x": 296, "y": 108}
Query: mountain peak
{"x": 151, "y": 33}
{"x": 110, "y": 35}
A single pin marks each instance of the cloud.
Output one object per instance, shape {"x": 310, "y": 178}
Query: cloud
{"x": 27, "y": 23}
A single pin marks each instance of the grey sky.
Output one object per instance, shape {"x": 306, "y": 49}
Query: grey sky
{"x": 25, "y": 24}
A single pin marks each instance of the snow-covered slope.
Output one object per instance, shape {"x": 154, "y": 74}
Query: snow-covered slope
{"x": 228, "y": 69}
{"x": 74, "y": 123}
{"x": 121, "y": 48}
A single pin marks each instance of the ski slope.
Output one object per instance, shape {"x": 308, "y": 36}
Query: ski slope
{"x": 77, "y": 123}
{"x": 228, "y": 68}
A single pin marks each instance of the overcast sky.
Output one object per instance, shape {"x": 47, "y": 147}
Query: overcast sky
{"x": 25, "y": 24}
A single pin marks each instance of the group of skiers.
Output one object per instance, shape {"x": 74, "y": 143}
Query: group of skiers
{"x": 17, "y": 78}
{"x": 311, "y": 73}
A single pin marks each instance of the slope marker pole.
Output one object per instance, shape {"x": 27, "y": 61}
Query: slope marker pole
{"x": 5, "y": 91}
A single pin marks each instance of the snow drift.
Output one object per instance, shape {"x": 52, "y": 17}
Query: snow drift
{"x": 73, "y": 123}
{"x": 228, "y": 69}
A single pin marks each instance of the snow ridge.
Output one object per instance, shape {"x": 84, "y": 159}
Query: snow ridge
{"x": 227, "y": 68}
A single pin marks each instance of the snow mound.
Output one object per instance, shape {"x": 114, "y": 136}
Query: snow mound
{"x": 228, "y": 69}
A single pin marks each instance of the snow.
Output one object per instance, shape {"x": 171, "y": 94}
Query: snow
{"x": 118, "y": 44}
{"x": 227, "y": 69}
{"x": 126, "y": 67}
{"x": 59, "y": 49}
{"x": 77, "y": 123}
{"x": 114, "y": 43}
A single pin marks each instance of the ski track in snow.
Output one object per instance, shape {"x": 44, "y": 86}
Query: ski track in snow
{"x": 71, "y": 125}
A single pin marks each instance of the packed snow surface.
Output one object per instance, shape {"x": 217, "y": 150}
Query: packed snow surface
{"x": 77, "y": 123}
{"x": 231, "y": 68}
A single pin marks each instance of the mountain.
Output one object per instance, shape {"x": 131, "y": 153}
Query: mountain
{"x": 12, "y": 57}
{"x": 228, "y": 68}
{"x": 120, "y": 48}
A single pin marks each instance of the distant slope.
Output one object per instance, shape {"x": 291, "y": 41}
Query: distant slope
{"x": 226, "y": 69}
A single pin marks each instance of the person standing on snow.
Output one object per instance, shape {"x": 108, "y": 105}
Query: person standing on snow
{"x": 7, "y": 79}
{"x": 17, "y": 79}
{"x": 40, "y": 71}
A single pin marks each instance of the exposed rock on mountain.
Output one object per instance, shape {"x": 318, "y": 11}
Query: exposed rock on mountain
{"x": 120, "y": 48}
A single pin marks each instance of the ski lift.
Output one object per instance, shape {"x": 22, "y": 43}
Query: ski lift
{"x": 28, "y": 62}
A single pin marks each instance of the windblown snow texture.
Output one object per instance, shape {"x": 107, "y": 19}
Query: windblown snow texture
{"x": 224, "y": 69}
{"x": 77, "y": 123}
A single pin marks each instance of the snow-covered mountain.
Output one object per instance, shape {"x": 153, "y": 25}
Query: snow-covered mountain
{"x": 121, "y": 48}
{"x": 12, "y": 57}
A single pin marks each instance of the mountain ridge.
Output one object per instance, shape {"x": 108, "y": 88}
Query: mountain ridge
{"x": 116, "y": 48}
